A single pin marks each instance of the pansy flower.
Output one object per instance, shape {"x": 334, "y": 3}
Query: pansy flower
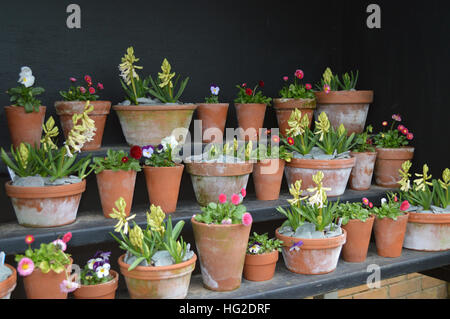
{"x": 296, "y": 246}
{"x": 147, "y": 151}
{"x": 214, "y": 90}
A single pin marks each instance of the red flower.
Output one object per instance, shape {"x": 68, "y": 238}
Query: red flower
{"x": 243, "y": 192}
{"x": 88, "y": 79}
{"x": 67, "y": 237}
{"x": 261, "y": 84}
{"x": 222, "y": 198}
{"x": 244, "y": 85}
{"x": 248, "y": 91}
{"x": 400, "y": 127}
{"x": 276, "y": 139}
{"x": 29, "y": 239}
{"x": 100, "y": 86}
{"x": 410, "y": 136}
{"x": 136, "y": 152}
{"x": 124, "y": 159}
{"x": 370, "y": 205}
{"x": 91, "y": 90}
{"x": 235, "y": 199}
{"x": 299, "y": 74}
{"x": 404, "y": 206}
{"x": 308, "y": 86}
{"x": 405, "y": 131}
{"x": 290, "y": 141}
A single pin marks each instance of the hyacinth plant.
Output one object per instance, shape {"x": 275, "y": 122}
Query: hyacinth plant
{"x": 214, "y": 97}
{"x": 247, "y": 95}
{"x": 364, "y": 141}
{"x": 242, "y": 151}
{"x": 132, "y": 84}
{"x": 86, "y": 92}
{"x": 163, "y": 88}
{"x": 97, "y": 270}
{"x": 261, "y": 244}
{"x": 391, "y": 207}
{"x": 25, "y": 94}
{"x": 296, "y": 90}
{"x": 331, "y": 82}
{"x": 116, "y": 161}
{"x": 393, "y": 137}
{"x": 269, "y": 148}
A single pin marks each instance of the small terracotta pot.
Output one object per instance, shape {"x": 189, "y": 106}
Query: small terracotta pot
{"x": 47, "y": 206}
{"x": 25, "y": 127}
{"x": 428, "y": 232}
{"x": 66, "y": 110}
{"x": 163, "y": 186}
{"x": 388, "y": 163}
{"x": 213, "y": 117}
{"x": 358, "y": 239}
{"x": 361, "y": 175}
{"x": 284, "y": 108}
{"x": 9, "y": 284}
{"x": 250, "y": 118}
{"x": 106, "y": 290}
{"x": 336, "y": 173}
{"x": 260, "y": 267}
{"x": 113, "y": 185}
{"x": 165, "y": 282}
{"x": 221, "y": 251}
{"x": 315, "y": 257}
{"x": 267, "y": 177}
{"x": 389, "y": 235}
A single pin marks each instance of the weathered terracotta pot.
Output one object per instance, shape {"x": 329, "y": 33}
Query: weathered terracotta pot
{"x": 113, "y": 185}
{"x": 212, "y": 179}
{"x": 358, "y": 239}
{"x": 336, "y": 173}
{"x": 267, "y": 177}
{"x": 66, "y": 110}
{"x": 389, "y": 235}
{"x": 428, "y": 232}
{"x": 221, "y": 251}
{"x": 106, "y": 290}
{"x": 250, "y": 118}
{"x": 9, "y": 284}
{"x": 388, "y": 163}
{"x": 260, "y": 267}
{"x": 345, "y": 107}
{"x": 25, "y": 127}
{"x": 362, "y": 172}
{"x": 213, "y": 117}
{"x": 165, "y": 282}
{"x": 148, "y": 124}
{"x": 284, "y": 108}
{"x": 163, "y": 186}
{"x": 315, "y": 257}
{"x": 47, "y": 206}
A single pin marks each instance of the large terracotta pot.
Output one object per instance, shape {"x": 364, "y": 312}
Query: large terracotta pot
{"x": 163, "y": 186}
{"x": 336, "y": 173}
{"x": 345, "y": 107}
{"x": 358, "y": 239}
{"x": 47, "y": 206}
{"x": 106, "y": 290}
{"x": 66, "y": 110}
{"x": 315, "y": 256}
{"x": 388, "y": 163}
{"x": 428, "y": 232}
{"x": 148, "y": 124}
{"x": 250, "y": 118}
{"x": 267, "y": 177}
{"x": 362, "y": 172}
{"x": 389, "y": 235}
{"x": 165, "y": 282}
{"x": 221, "y": 251}
{"x": 9, "y": 284}
{"x": 115, "y": 184}
{"x": 25, "y": 127}
{"x": 213, "y": 117}
{"x": 284, "y": 108}
{"x": 260, "y": 267}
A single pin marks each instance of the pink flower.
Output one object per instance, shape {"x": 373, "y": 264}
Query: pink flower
{"x": 29, "y": 239}
{"x": 247, "y": 219}
{"x": 60, "y": 244}
{"x": 397, "y": 117}
{"x": 91, "y": 90}
{"x": 82, "y": 89}
{"x": 235, "y": 199}
{"x": 73, "y": 80}
{"x": 244, "y": 85}
{"x": 243, "y": 192}
{"x": 365, "y": 201}
{"x": 285, "y": 78}
{"x": 25, "y": 266}
{"x": 88, "y": 79}
{"x": 222, "y": 198}
{"x": 385, "y": 123}
{"x": 400, "y": 127}
{"x": 326, "y": 88}
{"x": 100, "y": 86}
{"x": 404, "y": 206}
{"x": 308, "y": 86}
{"x": 405, "y": 131}
{"x": 299, "y": 74}
{"x": 370, "y": 205}
{"x": 410, "y": 136}
{"x": 67, "y": 237}
{"x": 67, "y": 286}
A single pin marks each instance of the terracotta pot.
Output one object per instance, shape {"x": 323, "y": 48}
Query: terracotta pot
{"x": 336, "y": 173}
{"x": 267, "y": 177}
{"x": 315, "y": 257}
{"x": 250, "y": 118}
{"x": 25, "y": 127}
{"x": 260, "y": 267}
{"x": 212, "y": 179}
{"x": 221, "y": 251}
{"x": 148, "y": 124}
{"x": 388, "y": 163}
{"x": 47, "y": 206}
{"x": 165, "y": 282}
{"x": 428, "y": 232}
{"x": 284, "y": 108}
{"x": 389, "y": 235}
{"x": 106, "y": 290}
{"x": 361, "y": 174}
{"x": 113, "y": 185}
{"x": 213, "y": 117}
{"x": 66, "y": 110}
{"x": 358, "y": 238}
{"x": 9, "y": 284}
{"x": 163, "y": 186}
{"x": 345, "y": 107}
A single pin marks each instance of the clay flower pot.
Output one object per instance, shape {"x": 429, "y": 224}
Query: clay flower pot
{"x": 165, "y": 282}
{"x": 106, "y": 290}
{"x": 345, "y": 107}
{"x": 148, "y": 124}
{"x": 9, "y": 284}
{"x": 428, "y": 232}
{"x": 336, "y": 173}
{"x": 113, "y": 185}
{"x": 358, "y": 239}
{"x": 47, "y": 206}
{"x": 66, "y": 110}
{"x": 163, "y": 186}
{"x": 267, "y": 177}
{"x": 25, "y": 127}
{"x": 388, "y": 163}
{"x": 315, "y": 256}
{"x": 250, "y": 118}
{"x": 284, "y": 108}
{"x": 221, "y": 251}
{"x": 389, "y": 235}
{"x": 362, "y": 172}
{"x": 260, "y": 267}
{"x": 212, "y": 179}
{"x": 213, "y": 117}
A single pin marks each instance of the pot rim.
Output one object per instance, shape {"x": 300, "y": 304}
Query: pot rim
{"x": 10, "y": 282}
{"x": 368, "y": 153}
{"x": 211, "y": 169}
{"x": 429, "y": 218}
{"x": 322, "y": 164}
{"x": 193, "y": 221}
{"x": 279, "y": 104}
{"x": 355, "y": 220}
{"x": 345, "y": 97}
{"x": 16, "y": 107}
{"x": 149, "y": 168}
{"x": 261, "y": 259}
{"x": 155, "y": 107}
{"x": 203, "y": 104}
{"x": 400, "y": 153}
{"x": 25, "y": 192}
{"x": 314, "y": 243}
{"x": 112, "y": 282}
{"x": 405, "y": 214}
{"x": 254, "y": 104}
{"x": 154, "y": 269}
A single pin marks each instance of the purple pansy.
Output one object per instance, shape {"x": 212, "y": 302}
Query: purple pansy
{"x": 296, "y": 246}
{"x": 147, "y": 151}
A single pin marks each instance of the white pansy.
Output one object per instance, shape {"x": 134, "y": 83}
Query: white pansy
{"x": 26, "y": 77}
{"x": 147, "y": 152}
{"x": 169, "y": 141}
{"x": 383, "y": 201}
{"x": 254, "y": 249}
{"x": 102, "y": 272}
{"x": 215, "y": 90}
{"x": 107, "y": 266}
